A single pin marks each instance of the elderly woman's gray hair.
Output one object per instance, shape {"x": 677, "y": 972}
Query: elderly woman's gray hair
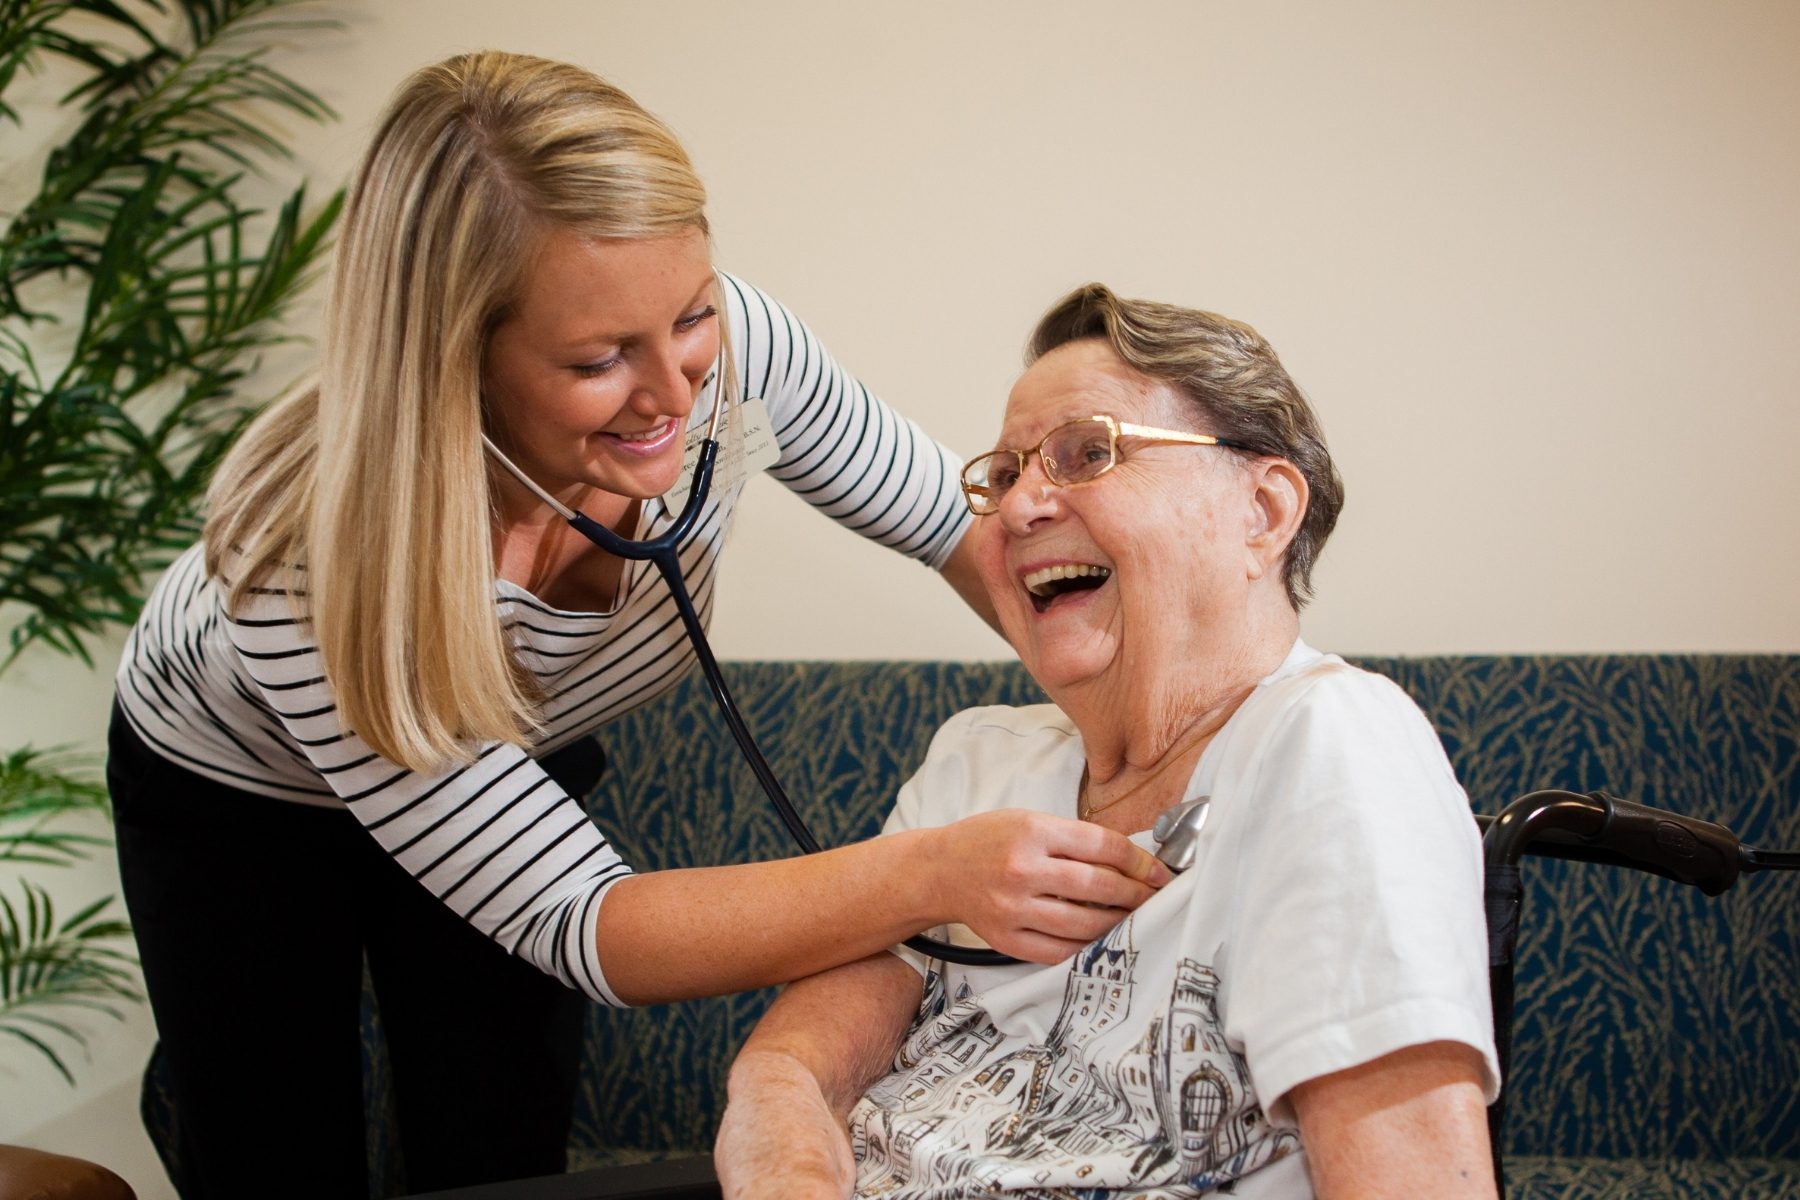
{"x": 1232, "y": 375}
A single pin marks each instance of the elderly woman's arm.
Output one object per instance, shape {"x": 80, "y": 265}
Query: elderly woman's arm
{"x": 821, "y": 1044}
{"x": 1410, "y": 1123}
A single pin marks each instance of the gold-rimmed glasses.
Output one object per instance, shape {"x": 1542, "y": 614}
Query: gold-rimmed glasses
{"x": 1077, "y": 452}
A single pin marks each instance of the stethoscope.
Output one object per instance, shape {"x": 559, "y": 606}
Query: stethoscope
{"x": 662, "y": 551}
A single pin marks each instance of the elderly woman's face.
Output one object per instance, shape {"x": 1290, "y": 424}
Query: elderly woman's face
{"x": 1119, "y": 573}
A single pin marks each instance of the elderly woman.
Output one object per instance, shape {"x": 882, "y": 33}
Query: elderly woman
{"x": 1303, "y": 1011}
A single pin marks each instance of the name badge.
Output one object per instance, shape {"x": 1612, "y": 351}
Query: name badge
{"x": 746, "y": 445}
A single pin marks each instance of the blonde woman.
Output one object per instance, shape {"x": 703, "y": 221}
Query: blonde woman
{"x": 380, "y": 668}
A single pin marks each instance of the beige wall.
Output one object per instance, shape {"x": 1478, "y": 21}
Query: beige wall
{"x": 1538, "y": 265}
{"x": 1535, "y": 264}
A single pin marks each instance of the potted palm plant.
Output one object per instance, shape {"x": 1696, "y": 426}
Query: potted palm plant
{"x": 138, "y": 289}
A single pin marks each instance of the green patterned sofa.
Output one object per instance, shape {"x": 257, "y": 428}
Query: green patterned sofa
{"x": 1657, "y": 1049}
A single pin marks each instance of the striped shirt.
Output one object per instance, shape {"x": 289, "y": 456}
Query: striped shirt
{"x": 242, "y": 700}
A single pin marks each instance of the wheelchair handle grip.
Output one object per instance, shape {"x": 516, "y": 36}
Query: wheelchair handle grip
{"x": 1682, "y": 848}
{"x": 1596, "y": 827}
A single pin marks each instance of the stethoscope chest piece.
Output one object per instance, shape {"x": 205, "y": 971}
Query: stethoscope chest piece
{"x": 1177, "y": 832}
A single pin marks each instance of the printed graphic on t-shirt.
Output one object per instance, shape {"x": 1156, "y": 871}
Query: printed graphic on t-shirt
{"x": 1126, "y": 1090}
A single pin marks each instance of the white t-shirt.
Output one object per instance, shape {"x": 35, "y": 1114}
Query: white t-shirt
{"x": 1333, "y": 915}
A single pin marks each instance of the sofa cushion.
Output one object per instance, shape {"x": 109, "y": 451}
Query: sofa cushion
{"x": 1536, "y": 1177}
{"x": 1651, "y": 1021}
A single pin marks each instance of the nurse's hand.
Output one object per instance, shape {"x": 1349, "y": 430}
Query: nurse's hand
{"x": 1039, "y": 887}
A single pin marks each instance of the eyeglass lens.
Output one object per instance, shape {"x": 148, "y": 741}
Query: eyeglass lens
{"x": 1078, "y": 451}
{"x": 1072, "y": 453}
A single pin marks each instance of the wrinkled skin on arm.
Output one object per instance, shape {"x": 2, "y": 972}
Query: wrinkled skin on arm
{"x": 820, "y": 1046}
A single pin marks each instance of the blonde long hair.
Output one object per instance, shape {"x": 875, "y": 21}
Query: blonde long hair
{"x": 368, "y": 496}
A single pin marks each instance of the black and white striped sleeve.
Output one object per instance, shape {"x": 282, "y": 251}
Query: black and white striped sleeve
{"x": 843, "y": 450}
{"x": 497, "y": 840}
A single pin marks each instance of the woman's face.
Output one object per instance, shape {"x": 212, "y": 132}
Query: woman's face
{"x": 590, "y": 379}
{"x": 1162, "y": 532}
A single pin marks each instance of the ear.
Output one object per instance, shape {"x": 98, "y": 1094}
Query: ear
{"x": 1277, "y": 505}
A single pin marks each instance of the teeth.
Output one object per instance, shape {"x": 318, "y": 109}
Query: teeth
{"x": 1038, "y": 582}
{"x": 648, "y": 435}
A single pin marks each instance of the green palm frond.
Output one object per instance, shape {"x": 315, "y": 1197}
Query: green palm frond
{"x": 138, "y": 289}
{"x": 169, "y": 285}
{"x": 37, "y": 789}
{"x": 52, "y": 971}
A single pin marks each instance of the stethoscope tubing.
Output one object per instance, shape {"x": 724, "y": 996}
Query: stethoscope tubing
{"x": 663, "y": 552}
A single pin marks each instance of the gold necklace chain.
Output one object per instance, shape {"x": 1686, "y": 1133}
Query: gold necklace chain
{"x": 1085, "y": 811}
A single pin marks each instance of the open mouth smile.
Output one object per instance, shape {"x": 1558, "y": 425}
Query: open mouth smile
{"x": 646, "y": 443}
{"x": 1047, "y": 585}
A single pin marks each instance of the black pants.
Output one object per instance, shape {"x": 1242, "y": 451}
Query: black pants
{"x": 253, "y": 917}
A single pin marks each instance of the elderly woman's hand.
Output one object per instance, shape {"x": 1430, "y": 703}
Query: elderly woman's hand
{"x": 1040, "y": 887}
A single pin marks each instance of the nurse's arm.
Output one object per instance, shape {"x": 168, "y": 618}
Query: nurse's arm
{"x": 960, "y": 573}
{"x": 1031, "y": 885}
{"x": 815, "y": 1052}
{"x": 1410, "y": 1123}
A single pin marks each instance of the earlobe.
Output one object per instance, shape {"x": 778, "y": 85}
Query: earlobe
{"x": 1277, "y": 506}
